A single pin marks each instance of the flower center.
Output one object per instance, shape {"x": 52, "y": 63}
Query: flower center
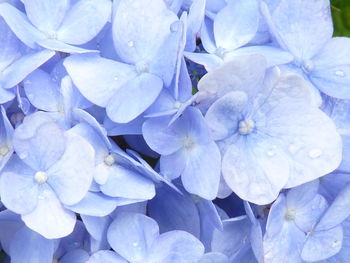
{"x": 188, "y": 143}
{"x": 308, "y": 66}
{"x": 220, "y": 52}
{"x": 290, "y": 214}
{"x": 4, "y": 150}
{"x": 246, "y": 126}
{"x": 109, "y": 160}
{"x": 40, "y": 177}
{"x": 142, "y": 67}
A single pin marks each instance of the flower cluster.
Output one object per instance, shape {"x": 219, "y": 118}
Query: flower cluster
{"x": 173, "y": 131}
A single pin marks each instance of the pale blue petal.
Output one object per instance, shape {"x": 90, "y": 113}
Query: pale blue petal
{"x": 22, "y": 67}
{"x": 97, "y": 78}
{"x": 76, "y": 256}
{"x": 232, "y": 238}
{"x": 71, "y": 176}
{"x": 338, "y": 211}
{"x": 97, "y": 226}
{"x": 167, "y": 55}
{"x": 84, "y": 20}
{"x": 174, "y": 211}
{"x": 41, "y": 91}
{"x": 20, "y": 25}
{"x": 236, "y": 24}
{"x": 46, "y": 15}
{"x": 209, "y": 61}
{"x": 18, "y": 189}
{"x": 38, "y": 150}
{"x": 201, "y": 175}
{"x": 256, "y": 173}
{"x": 94, "y": 204}
{"x": 140, "y": 28}
{"x": 161, "y": 138}
{"x": 224, "y": 114}
{"x": 172, "y": 165}
{"x": 104, "y": 256}
{"x": 28, "y": 246}
{"x": 54, "y": 44}
{"x": 322, "y": 244}
{"x": 131, "y": 235}
{"x": 124, "y": 182}
{"x": 9, "y": 45}
{"x": 331, "y": 73}
{"x": 214, "y": 257}
{"x": 306, "y": 17}
{"x": 195, "y": 20}
{"x": 134, "y": 97}
{"x": 50, "y": 218}
{"x": 274, "y": 56}
{"x": 175, "y": 246}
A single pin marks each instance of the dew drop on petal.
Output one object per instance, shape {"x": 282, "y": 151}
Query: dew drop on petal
{"x": 315, "y": 153}
{"x": 115, "y": 78}
{"x": 4, "y": 150}
{"x": 339, "y": 73}
{"x": 131, "y": 43}
{"x": 270, "y": 153}
{"x": 174, "y": 27}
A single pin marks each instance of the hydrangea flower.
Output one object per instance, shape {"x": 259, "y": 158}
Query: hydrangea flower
{"x": 57, "y": 25}
{"x": 46, "y": 174}
{"x": 270, "y": 135}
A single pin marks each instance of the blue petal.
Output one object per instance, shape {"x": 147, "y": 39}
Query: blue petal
{"x": 214, "y": 257}
{"x": 41, "y": 91}
{"x": 94, "y": 204}
{"x": 46, "y": 15}
{"x": 50, "y": 219}
{"x": 71, "y": 176}
{"x": 22, "y": 67}
{"x": 134, "y": 97}
{"x": 124, "y": 182}
{"x": 174, "y": 211}
{"x": 176, "y": 246}
{"x": 76, "y": 256}
{"x": 321, "y": 245}
{"x": 131, "y": 235}
{"x": 338, "y": 211}
{"x": 39, "y": 151}
{"x": 18, "y": 189}
{"x": 28, "y": 245}
{"x": 20, "y": 25}
{"x": 331, "y": 73}
{"x": 84, "y": 20}
{"x": 139, "y": 34}
{"x": 307, "y": 16}
{"x": 104, "y": 256}
{"x": 236, "y": 24}
{"x": 97, "y": 78}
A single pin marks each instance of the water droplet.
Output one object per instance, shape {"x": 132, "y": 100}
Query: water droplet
{"x": 293, "y": 148}
{"x": 174, "y": 27}
{"x": 270, "y": 153}
{"x": 115, "y": 78}
{"x": 131, "y": 43}
{"x": 335, "y": 244}
{"x": 135, "y": 244}
{"x": 340, "y": 73}
{"x": 23, "y": 155}
{"x": 177, "y": 104}
{"x": 315, "y": 153}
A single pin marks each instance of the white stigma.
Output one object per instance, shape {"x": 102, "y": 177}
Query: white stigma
{"x": 4, "y": 150}
{"x": 142, "y": 67}
{"x": 40, "y": 177}
{"x": 290, "y": 214}
{"x": 220, "y": 52}
{"x": 246, "y": 126}
{"x": 109, "y": 160}
{"x": 51, "y": 35}
{"x": 188, "y": 143}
